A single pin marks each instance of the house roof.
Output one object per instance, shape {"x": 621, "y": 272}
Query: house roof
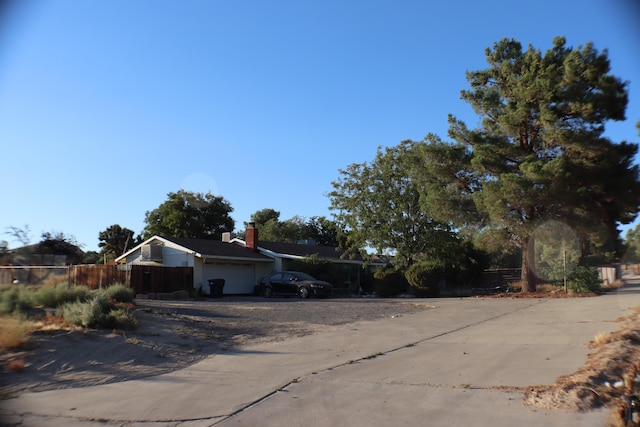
{"x": 217, "y": 249}
{"x": 205, "y": 248}
{"x": 301, "y": 250}
{"x": 235, "y": 249}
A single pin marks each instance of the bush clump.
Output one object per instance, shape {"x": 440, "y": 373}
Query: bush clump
{"x": 388, "y": 283}
{"x": 425, "y": 276}
{"x": 584, "y": 280}
{"x": 120, "y": 318}
{"x": 88, "y": 314}
{"x": 119, "y": 292}
{"x": 14, "y": 331}
{"x": 62, "y": 293}
{"x": 97, "y": 313}
{"x": 15, "y": 298}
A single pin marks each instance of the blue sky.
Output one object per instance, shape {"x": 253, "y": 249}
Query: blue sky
{"x": 108, "y": 105}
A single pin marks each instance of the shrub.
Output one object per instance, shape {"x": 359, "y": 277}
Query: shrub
{"x": 425, "y": 276}
{"x": 388, "y": 283}
{"x": 584, "y": 280}
{"x": 119, "y": 292}
{"x": 55, "y": 296}
{"x": 46, "y": 296}
{"x": 97, "y": 313}
{"x": 15, "y": 298}
{"x": 120, "y": 318}
{"x": 89, "y": 314}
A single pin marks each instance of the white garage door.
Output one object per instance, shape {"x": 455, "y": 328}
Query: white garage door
{"x": 238, "y": 278}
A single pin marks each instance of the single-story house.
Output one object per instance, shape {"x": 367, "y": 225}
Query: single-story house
{"x": 210, "y": 259}
{"x": 284, "y": 254}
{"x": 241, "y": 263}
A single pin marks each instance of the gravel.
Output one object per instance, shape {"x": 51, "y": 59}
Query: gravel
{"x": 240, "y": 321}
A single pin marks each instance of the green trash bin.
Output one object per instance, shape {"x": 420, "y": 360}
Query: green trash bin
{"x": 216, "y": 288}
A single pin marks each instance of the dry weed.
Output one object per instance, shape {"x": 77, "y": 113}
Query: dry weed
{"x": 14, "y": 331}
{"x": 605, "y": 378}
{"x": 601, "y": 338}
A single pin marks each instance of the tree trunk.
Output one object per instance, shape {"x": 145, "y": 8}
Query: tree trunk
{"x": 528, "y": 277}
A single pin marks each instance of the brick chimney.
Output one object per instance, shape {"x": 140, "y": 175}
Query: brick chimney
{"x": 251, "y": 238}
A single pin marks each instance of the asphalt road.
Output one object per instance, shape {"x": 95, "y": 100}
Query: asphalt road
{"x": 461, "y": 363}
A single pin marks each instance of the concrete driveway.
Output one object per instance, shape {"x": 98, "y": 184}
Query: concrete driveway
{"x": 457, "y": 364}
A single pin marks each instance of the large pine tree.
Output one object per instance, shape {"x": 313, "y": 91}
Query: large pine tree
{"x": 540, "y": 152}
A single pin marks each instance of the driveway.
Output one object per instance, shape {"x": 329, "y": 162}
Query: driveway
{"x": 464, "y": 362}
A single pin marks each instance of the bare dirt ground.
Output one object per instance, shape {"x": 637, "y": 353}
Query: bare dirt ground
{"x": 172, "y": 335}
{"x": 604, "y": 380}
{"x": 176, "y": 334}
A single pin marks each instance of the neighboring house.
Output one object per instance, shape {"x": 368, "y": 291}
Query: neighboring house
{"x": 210, "y": 259}
{"x": 284, "y": 253}
{"x": 241, "y": 263}
{"x": 32, "y": 265}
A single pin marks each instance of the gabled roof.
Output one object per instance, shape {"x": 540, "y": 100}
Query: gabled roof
{"x": 204, "y": 248}
{"x": 236, "y": 250}
{"x": 297, "y": 250}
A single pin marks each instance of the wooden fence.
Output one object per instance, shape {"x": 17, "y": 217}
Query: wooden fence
{"x": 500, "y": 277}
{"x": 96, "y": 276}
{"x": 142, "y": 278}
{"x": 145, "y": 279}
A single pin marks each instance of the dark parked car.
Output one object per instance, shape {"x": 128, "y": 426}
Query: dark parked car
{"x": 294, "y": 283}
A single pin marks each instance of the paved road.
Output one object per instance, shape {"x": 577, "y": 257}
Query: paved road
{"x": 452, "y": 365}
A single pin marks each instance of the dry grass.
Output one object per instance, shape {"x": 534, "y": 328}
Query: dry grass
{"x": 604, "y": 381}
{"x": 613, "y": 286}
{"x": 549, "y": 288}
{"x": 14, "y": 331}
{"x": 601, "y": 338}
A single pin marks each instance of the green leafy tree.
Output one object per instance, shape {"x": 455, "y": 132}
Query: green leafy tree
{"x": 540, "y": 152}
{"x": 191, "y": 215}
{"x": 632, "y": 243}
{"x": 323, "y": 230}
{"x": 91, "y": 257}
{"x": 288, "y": 231}
{"x": 318, "y": 228}
{"x": 116, "y": 240}
{"x": 378, "y": 203}
{"x": 262, "y": 217}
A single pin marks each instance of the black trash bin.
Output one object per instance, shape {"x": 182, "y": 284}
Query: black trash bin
{"x": 216, "y": 286}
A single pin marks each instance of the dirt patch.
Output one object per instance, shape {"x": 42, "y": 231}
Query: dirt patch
{"x": 172, "y": 335}
{"x": 605, "y": 378}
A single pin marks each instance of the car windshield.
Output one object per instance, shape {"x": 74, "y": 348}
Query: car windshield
{"x": 303, "y": 276}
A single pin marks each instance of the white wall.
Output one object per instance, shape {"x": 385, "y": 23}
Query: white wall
{"x": 608, "y": 275}
{"x": 134, "y": 258}
{"x": 174, "y": 258}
